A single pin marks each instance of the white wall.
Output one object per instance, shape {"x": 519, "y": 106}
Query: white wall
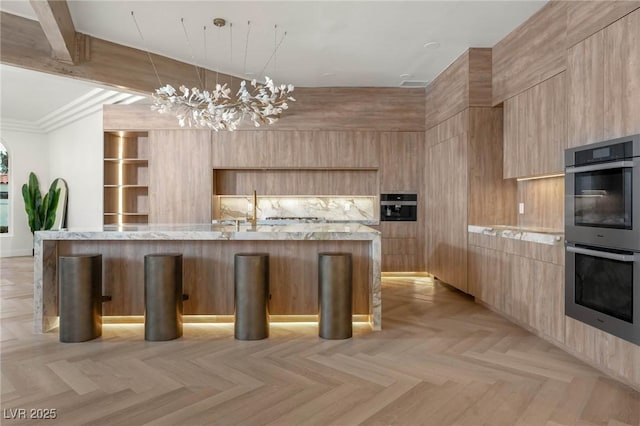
{"x": 75, "y": 154}
{"x": 28, "y": 152}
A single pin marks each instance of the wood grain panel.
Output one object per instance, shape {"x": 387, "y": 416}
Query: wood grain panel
{"x": 296, "y": 149}
{"x": 400, "y": 168}
{"x": 622, "y": 77}
{"x": 550, "y": 126}
{"x": 585, "y": 91}
{"x": 181, "y": 175}
{"x": 512, "y": 126}
{"x": 480, "y": 63}
{"x": 618, "y": 357}
{"x": 585, "y": 18}
{"x": 466, "y": 82}
{"x": 296, "y": 182}
{"x": 531, "y": 53}
{"x": 448, "y": 93}
{"x": 488, "y": 270}
{"x": 548, "y": 300}
{"x": 401, "y": 246}
{"x": 535, "y": 131}
{"x": 543, "y": 203}
{"x": 491, "y": 199}
{"x": 399, "y": 229}
{"x": 355, "y": 108}
{"x": 519, "y": 288}
{"x": 447, "y": 211}
{"x": 208, "y": 273}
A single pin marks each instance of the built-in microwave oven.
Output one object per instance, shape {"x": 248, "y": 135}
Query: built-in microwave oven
{"x": 398, "y": 207}
{"x": 602, "y": 289}
{"x": 602, "y": 193}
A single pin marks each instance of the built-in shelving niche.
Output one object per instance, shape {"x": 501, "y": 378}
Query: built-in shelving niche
{"x": 126, "y": 177}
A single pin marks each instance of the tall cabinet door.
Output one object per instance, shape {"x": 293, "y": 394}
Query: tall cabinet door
{"x": 447, "y": 211}
{"x": 181, "y": 172}
{"x": 622, "y": 77}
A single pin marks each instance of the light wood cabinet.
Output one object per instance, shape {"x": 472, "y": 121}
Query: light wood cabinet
{"x": 126, "y": 178}
{"x": 181, "y": 172}
{"x": 535, "y": 130}
{"x": 622, "y": 77}
{"x": 447, "y": 211}
{"x": 402, "y": 245}
{"x": 523, "y": 280}
{"x": 295, "y": 150}
{"x": 400, "y": 158}
{"x": 464, "y": 185}
{"x": 603, "y": 84}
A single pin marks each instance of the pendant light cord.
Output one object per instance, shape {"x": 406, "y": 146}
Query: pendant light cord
{"x": 193, "y": 59}
{"x": 146, "y": 48}
{"x": 274, "y": 53}
{"x": 246, "y": 48}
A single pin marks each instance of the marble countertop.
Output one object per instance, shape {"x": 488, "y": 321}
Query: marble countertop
{"x": 532, "y": 234}
{"x": 293, "y": 231}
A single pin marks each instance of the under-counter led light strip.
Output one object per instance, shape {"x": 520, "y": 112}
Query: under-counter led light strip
{"x": 120, "y": 178}
{"x": 540, "y": 177}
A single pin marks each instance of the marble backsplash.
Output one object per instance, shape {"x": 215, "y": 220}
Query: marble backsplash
{"x": 330, "y": 207}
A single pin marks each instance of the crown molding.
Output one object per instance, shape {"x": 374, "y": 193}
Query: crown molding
{"x": 85, "y": 105}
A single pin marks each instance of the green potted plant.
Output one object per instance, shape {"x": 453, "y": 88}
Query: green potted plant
{"x": 40, "y": 211}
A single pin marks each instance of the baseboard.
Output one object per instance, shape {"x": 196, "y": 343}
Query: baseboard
{"x": 16, "y": 253}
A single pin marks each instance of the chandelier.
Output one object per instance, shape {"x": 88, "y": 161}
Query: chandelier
{"x": 219, "y": 109}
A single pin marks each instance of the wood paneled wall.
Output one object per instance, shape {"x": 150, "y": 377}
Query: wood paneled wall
{"x": 532, "y": 53}
{"x": 208, "y": 273}
{"x": 536, "y": 50}
{"x": 466, "y": 82}
{"x": 353, "y": 108}
{"x": 585, "y": 18}
{"x": 303, "y": 149}
{"x": 296, "y": 182}
{"x": 491, "y": 199}
{"x": 180, "y": 182}
{"x": 543, "y": 203}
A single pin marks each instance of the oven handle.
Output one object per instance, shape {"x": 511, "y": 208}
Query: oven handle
{"x": 604, "y": 254}
{"x": 398, "y": 203}
{"x": 603, "y": 166}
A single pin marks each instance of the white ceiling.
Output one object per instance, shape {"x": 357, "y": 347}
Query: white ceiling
{"x": 328, "y": 43}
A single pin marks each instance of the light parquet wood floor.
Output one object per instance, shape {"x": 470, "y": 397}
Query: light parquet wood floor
{"x": 440, "y": 360}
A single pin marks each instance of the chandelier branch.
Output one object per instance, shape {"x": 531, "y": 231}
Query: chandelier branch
{"x": 219, "y": 109}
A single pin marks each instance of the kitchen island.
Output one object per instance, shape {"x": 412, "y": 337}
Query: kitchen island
{"x": 208, "y": 254}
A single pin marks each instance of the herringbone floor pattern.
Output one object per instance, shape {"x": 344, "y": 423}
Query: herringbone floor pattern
{"x": 440, "y": 360}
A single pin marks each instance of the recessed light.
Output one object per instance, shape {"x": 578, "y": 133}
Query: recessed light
{"x": 405, "y": 75}
{"x": 431, "y": 45}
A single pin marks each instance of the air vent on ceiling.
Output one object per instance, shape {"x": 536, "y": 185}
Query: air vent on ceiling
{"x": 413, "y": 83}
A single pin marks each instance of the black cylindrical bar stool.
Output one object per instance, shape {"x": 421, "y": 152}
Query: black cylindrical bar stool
{"x": 80, "y": 284}
{"x": 334, "y": 295}
{"x": 162, "y": 296}
{"x": 251, "y": 290}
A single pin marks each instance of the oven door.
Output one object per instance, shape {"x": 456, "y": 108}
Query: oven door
{"x": 603, "y": 204}
{"x": 602, "y": 289}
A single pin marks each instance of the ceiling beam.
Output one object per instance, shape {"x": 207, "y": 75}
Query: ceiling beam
{"x": 56, "y": 22}
{"x": 23, "y": 43}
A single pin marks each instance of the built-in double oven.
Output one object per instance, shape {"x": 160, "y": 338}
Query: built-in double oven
{"x": 602, "y": 232}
